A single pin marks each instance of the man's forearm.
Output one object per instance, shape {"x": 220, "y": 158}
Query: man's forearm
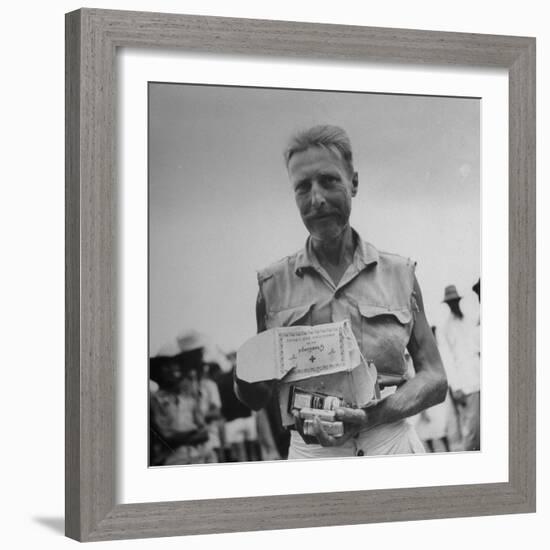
{"x": 421, "y": 392}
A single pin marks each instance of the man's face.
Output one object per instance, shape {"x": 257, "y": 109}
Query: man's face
{"x": 323, "y": 190}
{"x": 171, "y": 375}
{"x": 176, "y": 378}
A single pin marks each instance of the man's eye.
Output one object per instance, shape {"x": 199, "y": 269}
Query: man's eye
{"x": 328, "y": 179}
{"x": 302, "y": 188}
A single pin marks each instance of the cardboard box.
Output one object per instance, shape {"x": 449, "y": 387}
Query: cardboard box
{"x": 323, "y": 359}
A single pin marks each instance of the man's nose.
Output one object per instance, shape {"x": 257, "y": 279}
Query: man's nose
{"x": 317, "y": 195}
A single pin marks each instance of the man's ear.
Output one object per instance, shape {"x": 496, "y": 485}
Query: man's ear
{"x": 354, "y": 183}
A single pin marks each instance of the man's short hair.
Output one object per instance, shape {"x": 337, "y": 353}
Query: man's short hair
{"x": 326, "y": 136}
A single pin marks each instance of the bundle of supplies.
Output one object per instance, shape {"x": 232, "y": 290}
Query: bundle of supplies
{"x": 320, "y": 368}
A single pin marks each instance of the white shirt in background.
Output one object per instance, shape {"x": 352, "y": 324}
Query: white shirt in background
{"x": 459, "y": 347}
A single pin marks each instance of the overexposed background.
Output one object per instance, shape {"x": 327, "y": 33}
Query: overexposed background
{"x": 32, "y": 289}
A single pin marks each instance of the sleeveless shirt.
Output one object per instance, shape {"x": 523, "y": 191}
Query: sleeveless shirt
{"x": 376, "y": 294}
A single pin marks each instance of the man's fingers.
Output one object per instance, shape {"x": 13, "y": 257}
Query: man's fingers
{"x": 299, "y": 425}
{"x": 324, "y": 439}
{"x": 351, "y": 416}
{"x": 327, "y": 440}
{"x": 354, "y": 418}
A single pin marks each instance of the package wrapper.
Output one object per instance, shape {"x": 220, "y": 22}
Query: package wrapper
{"x": 323, "y": 359}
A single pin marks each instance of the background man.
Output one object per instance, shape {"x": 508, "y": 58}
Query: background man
{"x": 460, "y": 340}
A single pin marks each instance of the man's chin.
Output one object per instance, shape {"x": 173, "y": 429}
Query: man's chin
{"x": 326, "y": 234}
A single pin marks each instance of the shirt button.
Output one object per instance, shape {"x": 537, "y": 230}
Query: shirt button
{"x": 360, "y": 452}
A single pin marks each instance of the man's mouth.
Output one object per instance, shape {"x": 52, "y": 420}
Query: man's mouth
{"x": 320, "y": 216}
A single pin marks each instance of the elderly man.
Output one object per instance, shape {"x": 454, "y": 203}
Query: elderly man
{"x": 339, "y": 276}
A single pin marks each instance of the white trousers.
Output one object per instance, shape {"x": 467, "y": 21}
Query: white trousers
{"x": 398, "y": 438}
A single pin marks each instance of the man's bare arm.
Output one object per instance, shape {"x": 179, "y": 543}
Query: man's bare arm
{"x": 427, "y": 388}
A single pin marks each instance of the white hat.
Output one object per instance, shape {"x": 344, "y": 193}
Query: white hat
{"x": 188, "y": 340}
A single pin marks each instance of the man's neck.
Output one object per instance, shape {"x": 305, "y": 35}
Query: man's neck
{"x": 337, "y": 254}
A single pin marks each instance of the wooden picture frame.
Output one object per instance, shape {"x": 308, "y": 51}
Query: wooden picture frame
{"x": 92, "y": 39}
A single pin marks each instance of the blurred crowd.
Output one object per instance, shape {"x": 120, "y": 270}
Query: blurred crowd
{"x": 195, "y": 416}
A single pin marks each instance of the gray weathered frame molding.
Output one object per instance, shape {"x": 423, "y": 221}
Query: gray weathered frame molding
{"x": 92, "y": 38}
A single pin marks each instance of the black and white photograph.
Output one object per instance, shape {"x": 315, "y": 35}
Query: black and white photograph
{"x": 288, "y": 227}
{"x": 278, "y": 261}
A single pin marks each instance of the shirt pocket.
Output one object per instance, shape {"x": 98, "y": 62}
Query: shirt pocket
{"x": 298, "y": 315}
{"x": 370, "y": 311}
{"x": 385, "y": 333}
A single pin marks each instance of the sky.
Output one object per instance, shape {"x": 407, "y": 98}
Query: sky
{"x": 221, "y": 206}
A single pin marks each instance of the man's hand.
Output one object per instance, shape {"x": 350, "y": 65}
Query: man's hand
{"x": 254, "y": 395}
{"x": 357, "y": 418}
{"x": 354, "y": 420}
{"x": 299, "y": 425}
{"x": 195, "y": 436}
{"x": 327, "y": 440}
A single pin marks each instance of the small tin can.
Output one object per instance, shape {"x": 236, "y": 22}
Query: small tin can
{"x": 332, "y": 403}
{"x": 299, "y": 399}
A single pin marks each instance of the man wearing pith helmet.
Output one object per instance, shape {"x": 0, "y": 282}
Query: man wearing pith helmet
{"x": 339, "y": 276}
